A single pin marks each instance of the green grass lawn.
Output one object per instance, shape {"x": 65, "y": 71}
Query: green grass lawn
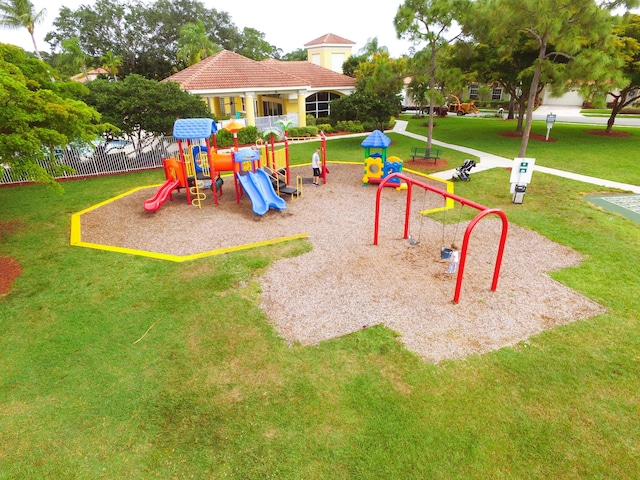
{"x": 116, "y": 366}
{"x": 605, "y": 113}
{"x": 572, "y": 148}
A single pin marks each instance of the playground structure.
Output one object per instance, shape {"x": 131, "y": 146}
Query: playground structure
{"x": 377, "y": 166}
{"x": 200, "y": 165}
{"x": 484, "y": 211}
{"x": 462, "y": 108}
{"x": 277, "y": 162}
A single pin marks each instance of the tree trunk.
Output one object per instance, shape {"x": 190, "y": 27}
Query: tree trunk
{"x": 532, "y": 100}
{"x": 510, "y": 115}
{"x": 521, "y": 111}
{"x": 432, "y": 86}
{"x": 35, "y": 47}
{"x": 619, "y": 103}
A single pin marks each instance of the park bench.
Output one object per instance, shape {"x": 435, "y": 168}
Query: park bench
{"x": 425, "y": 153}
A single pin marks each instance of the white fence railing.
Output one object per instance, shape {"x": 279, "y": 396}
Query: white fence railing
{"x": 121, "y": 158}
{"x": 266, "y": 123}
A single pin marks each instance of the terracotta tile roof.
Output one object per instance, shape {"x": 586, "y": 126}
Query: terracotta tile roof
{"x": 92, "y": 74}
{"x": 228, "y": 70}
{"x": 329, "y": 38}
{"x": 314, "y": 75}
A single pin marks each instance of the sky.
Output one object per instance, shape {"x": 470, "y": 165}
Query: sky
{"x": 284, "y": 25}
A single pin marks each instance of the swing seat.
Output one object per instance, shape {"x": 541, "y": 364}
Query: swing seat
{"x": 445, "y": 253}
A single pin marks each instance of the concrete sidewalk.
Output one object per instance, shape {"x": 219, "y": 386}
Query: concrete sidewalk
{"x": 488, "y": 161}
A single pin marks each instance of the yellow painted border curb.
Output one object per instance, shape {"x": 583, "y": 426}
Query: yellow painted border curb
{"x": 76, "y": 237}
{"x": 76, "y": 226}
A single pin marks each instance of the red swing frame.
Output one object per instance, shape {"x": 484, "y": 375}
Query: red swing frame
{"x": 484, "y": 211}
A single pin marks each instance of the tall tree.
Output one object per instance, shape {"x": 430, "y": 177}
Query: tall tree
{"x": 142, "y": 107}
{"x": 350, "y": 65}
{"x": 106, "y": 26}
{"x": 429, "y": 21}
{"x": 144, "y": 35}
{"x": 194, "y": 45}
{"x": 111, "y": 64}
{"x": 17, "y": 14}
{"x": 297, "y": 55}
{"x": 448, "y": 76}
{"x": 376, "y": 98}
{"x": 72, "y": 58}
{"x": 254, "y": 46}
{"x": 558, "y": 30}
{"x": 628, "y": 46}
{"x": 38, "y": 116}
{"x": 485, "y": 63}
{"x": 372, "y": 47}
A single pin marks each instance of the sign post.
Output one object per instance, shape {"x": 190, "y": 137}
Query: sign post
{"x": 551, "y": 119}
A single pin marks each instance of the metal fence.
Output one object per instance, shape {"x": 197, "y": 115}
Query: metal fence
{"x": 119, "y": 157}
{"x": 267, "y": 123}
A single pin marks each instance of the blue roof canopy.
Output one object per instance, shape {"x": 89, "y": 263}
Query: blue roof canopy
{"x": 194, "y": 128}
{"x": 376, "y": 139}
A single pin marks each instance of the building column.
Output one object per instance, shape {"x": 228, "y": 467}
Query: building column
{"x": 302, "y": 108}
{"x": 249, "y": 105}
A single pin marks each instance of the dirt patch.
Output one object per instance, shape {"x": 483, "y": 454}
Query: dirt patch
{"x": 9, "y": 270}
{"x": 604, "y": 133}
{"x": 9, "y": 267}
{"x": 532, "y": 136}
{"x": 7, "y": 228}
{"x": 423, "y": 164}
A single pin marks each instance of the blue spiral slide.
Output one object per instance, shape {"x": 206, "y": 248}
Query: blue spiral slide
{"x": 260, "y": 191}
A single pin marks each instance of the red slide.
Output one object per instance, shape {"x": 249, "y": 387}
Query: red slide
{"x": 161, "y": 196}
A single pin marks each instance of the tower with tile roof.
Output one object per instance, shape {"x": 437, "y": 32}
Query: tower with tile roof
{"x": 329, "y": 51}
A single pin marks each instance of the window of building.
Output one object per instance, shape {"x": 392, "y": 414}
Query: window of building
{"x": 228, "y": 106}
{"x": 272, "y": 104}
{"x": 473, "y": 92}
{"x": 496, "y": 93}
{"x": 318, "y": 103}
{"x": 337, "y": 59}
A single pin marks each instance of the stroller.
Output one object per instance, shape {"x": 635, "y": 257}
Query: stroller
{"x": 462, "y": 172}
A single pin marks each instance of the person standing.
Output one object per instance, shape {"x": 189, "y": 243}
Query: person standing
{"x": 315, "y": 165}
{"x": 455, "y": 259}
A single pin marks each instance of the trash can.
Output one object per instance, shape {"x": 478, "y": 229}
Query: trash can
{"x": 518, "y": 195}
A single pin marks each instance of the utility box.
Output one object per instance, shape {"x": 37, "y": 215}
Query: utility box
{"x": 518, "y": 195}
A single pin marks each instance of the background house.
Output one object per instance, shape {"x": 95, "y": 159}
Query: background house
{"x": 236, "y": 86}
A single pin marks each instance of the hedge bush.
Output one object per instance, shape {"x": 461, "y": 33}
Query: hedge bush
{"x": 325, "y": 127}
{"x": 308, "y": 131}
{"x": 246, "y": 136}
{"x": 352, "y": 126}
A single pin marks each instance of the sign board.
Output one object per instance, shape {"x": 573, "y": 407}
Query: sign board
{"x": 521, "y": 172}
{"x": 551, "y": 119}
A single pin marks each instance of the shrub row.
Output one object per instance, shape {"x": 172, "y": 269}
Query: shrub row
{"x": 308, "y": 131}
{"x": 246, "y": 136}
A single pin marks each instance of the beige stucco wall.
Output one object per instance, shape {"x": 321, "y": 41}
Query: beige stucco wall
{"x": 324, "y": 56}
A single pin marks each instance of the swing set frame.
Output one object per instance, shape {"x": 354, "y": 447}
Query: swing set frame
{"x": 483, "y": 212}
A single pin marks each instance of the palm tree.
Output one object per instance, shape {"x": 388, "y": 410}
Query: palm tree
{"x": 17, "y": 14}
{"x": 194, "y": 44}
{"x": 111, "y": 64}
{"x": 371, "y": 48}
{"x": 73, "y": 56}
